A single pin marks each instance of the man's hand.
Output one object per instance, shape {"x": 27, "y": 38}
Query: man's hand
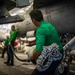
{"x": 35, "y": 55}
{"x": 33, "y": 61}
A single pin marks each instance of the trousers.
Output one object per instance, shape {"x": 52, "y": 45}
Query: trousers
{"x": 49, "y": 71}
{"x": 10, "y": 54}
{"x": 4, "y": 50}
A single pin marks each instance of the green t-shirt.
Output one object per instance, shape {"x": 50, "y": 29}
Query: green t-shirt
{"x": 46, "y": 34}
{"x": 13, "y": 36}
{"x": 6, "y": 42}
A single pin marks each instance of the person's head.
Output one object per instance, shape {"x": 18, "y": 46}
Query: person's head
{"x": 12, "y": 27}
{"x": 36, "y": 16}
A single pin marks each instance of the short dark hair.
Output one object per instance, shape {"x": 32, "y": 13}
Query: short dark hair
{"x": 13, "y": 26}
{"x": 36, "y": 14}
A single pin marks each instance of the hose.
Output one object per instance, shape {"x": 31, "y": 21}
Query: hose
{"x": 22, "y": 60}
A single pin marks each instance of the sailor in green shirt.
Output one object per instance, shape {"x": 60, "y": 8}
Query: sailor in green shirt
{"x": 12, "y": 38}
{"x": 46, "y": 34}
{"x": 5, "y": 42}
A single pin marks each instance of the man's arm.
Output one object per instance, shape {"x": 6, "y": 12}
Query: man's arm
{"x": 35, "y": 55}
{"x": 40, "y": 40}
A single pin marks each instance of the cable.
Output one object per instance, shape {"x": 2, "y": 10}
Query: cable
{"x": 22, "y": 60}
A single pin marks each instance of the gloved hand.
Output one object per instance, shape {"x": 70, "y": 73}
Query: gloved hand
{"x": 28, "y": 60}
{"x": 33, "y": 61}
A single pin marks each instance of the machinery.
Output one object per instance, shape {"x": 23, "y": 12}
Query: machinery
{"x": 60, "y": 14}
{"x": 2, "y": 36}
{"x": 6, "y": 17}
